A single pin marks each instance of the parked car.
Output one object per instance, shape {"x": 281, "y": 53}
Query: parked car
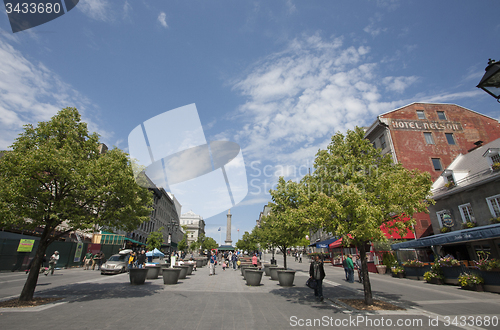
{"x": 116, "y": 264}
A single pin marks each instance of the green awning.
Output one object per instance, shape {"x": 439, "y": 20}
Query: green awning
{"x": 134, "y": 241}
{"x": 225, "y": 248}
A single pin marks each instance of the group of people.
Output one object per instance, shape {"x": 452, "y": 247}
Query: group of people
{"x": 298, "y": 256}
{"x": 349, "y": 266}
{"x": 137, "y": 260}
{"x": 92, "y": 260}
{"x": 44, "y": 270}
{"x": 227, "y": 260}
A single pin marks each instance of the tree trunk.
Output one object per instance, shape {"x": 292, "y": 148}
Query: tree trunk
{"x": 31, "y": 281}
{"x": 364, "y": 270}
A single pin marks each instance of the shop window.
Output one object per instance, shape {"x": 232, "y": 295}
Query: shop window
{"x": 436, "y": 162}
{"x": 441, "y": 115}
{"x": 428, "y": 138}
{"x": 494, "y": 205}
{"x": 450, "y": 138}
{"x": 466, "y": 212}
{"x": 420, "y": 114}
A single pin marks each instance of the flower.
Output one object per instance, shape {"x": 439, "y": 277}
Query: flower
{"x": 448, "y": 262}
{"x": 469, "y": 279}
{"x": 469, "y": 224}
{"x": 449, "y": 185}
{"x": 445, "y": 229}
{"x": 413, "y": 263}
{"x": 397, "y": 269}
{"x": 430, "y": 275}
{"x": 487, "y": 265}
{"x": 495, "y": 166}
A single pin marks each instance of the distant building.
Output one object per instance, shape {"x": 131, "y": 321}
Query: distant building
{"x": 466, "y": 216}
{"x": 194, "y": 224}
{"x": 428, "y": 137}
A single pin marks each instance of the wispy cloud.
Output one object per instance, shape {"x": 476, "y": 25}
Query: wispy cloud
{"x": 298, "y": 98}
{"x": 31, "y": 92}
{"x": 162, "y": 18}
{"x": 96, "y": 9}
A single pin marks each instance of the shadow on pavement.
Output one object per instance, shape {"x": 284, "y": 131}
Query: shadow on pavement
{"x": 96, "y": 291}
{"x": 305, "y": 296}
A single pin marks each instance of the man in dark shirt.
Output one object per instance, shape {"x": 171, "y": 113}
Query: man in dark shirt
{"x": 141, "y": 259}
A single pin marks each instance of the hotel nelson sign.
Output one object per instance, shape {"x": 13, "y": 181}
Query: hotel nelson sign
{"x": 424, "y": 125}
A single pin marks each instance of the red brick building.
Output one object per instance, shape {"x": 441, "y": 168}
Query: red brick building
{"x": 428, "y": 137}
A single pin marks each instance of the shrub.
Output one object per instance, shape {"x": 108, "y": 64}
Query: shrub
{"x": 430, "y": 275}
{"x": 397, "y": 269}
{"x": 469, "y": 279}
{"x": 389, "y": 260}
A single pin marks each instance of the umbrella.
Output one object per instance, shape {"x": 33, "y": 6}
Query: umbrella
{"x": 155, "y": 253}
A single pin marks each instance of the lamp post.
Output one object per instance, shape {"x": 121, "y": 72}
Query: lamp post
{"x": 490, "y": 83}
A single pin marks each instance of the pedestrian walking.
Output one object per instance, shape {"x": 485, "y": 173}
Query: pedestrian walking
{"x": 346, "y": 269}
{"x": 255, "y": 262}
{"x": 235, "y": 261}
{"x": 300, "y": 257}
{"x": 213, "y": 260}
{"x": 131, "y": 260}
{"x": 52, "y": 263}
{"x": 141, "y": 259}
{"x": 87, "y": 260}
{"x": 317, "y": 272}
{"x": 350, "y": 269}
{"x": 358, "y": 266}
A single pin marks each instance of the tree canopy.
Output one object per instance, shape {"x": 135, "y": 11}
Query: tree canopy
{"x": 155, "y": 240}
{"x": 55, "y": 178}
{"x": 354, "y": 190}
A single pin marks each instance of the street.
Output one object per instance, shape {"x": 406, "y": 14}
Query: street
{"x": 225, "y": 302}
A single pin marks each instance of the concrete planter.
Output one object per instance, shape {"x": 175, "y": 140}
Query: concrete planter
{"x": 162, "y": 267}
{"x": 153, "y": 272}
{"x": 381, "y": 269}
{"x": 243, "y": 267}
{"x": 286, "y": 277}
{"x": 274, "y": 272}
{"x": 253, "y": 276}
{"x": 190, "y": 270}
{"x": 199, "y": 263}
{"x": 183, "y": 273}
{"x": 267, "y": 269}
{"x": 171, "y": 275}
{"x": 137, "y": 275}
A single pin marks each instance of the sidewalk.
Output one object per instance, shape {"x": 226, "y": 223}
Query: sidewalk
{"x": 206, "y": 302}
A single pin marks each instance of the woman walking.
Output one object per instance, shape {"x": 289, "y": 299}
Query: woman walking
{"x": 317, "y": 272}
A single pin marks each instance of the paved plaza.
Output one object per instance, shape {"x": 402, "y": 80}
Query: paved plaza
{"x": 224, "y": 301}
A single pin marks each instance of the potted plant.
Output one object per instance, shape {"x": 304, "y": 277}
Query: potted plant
{"x": 433, "y": 277}
{"x": 398, "y": 271}
{"x": 468, "y": 224}
{"x": 449, "y": 185}
{"x": 471, "y": 282}
{"x": 253, "y": 276}
{"x": 445, "y": 229}
{"x": 495, "y": 220}
{"x": 171, "y": 275}
{"x": 381, "y": 269}
{"x": 286, "y": 277}
{"x": 138, "y": 275}
{"x": 495, "y": 166}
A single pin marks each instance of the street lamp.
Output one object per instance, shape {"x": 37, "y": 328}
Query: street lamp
{"x": 490, "y": 83}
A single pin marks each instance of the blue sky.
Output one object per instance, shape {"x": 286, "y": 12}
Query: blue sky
{"x": 277, "y": 77}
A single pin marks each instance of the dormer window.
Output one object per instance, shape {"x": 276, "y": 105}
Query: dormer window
{"x": 493, "y": 157}
{"x": 448, "y": 176}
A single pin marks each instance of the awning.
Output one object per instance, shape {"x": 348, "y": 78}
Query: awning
{"x": 225, "y": 248}
{"x": 454, "y": 237}
{"x": 391, "y": 234}
{"x": 134, "y": 241}
{"x": 326, "y": 243}
{"x": 336, "y": 244}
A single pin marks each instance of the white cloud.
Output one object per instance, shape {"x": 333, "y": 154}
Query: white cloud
{"x": 30, "y": 92}
{"x": 96, "y": 9}
{"x": 162, "y": 18}
{"x": 398, "y": 84}
{"x": 297, "y": 99}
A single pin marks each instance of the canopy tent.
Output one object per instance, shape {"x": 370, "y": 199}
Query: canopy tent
{"x": 225, "y": 248}
{"x": 454, "y": 237}
{"x": 324, "y": 244}
{"x": 155, "y": 253}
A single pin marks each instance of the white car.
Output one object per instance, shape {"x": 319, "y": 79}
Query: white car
{"x": 116, "y": 264}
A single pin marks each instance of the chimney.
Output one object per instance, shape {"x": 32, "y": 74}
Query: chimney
{"x": 477, "y": 145}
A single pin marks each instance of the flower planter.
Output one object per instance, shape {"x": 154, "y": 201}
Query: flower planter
{"x": 286, "y": 277}
{"x": 153, "y": 272}
{"x": 381, "y": 269}
{"x": 199, "y": 263}
{"x": 183, "y": 272}
{"x": 137, "y": 275}
{"x": 190, "y": 269}
{"x": 253, "y": 276}
{"x": 398, "y": 275}
{"x": 243, "y": 267}
{"x": 451, "y": 274}
{"x": 416, "y": 273}
{"x": 274, "y": 272}
{"x": 162, "y": 267}
{"x": 474, "y": 287}
{"x": 435, "y": 280}
{"x": 267, "y": 269}
{"x": 171, "y": 275}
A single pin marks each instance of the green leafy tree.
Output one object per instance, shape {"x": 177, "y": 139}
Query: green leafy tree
{"x": 354, "y": 190}
{"x": 182, "y": 245}
{"x": 284, "y": 226}
{"x": 55, "y": 178}
{"x": 247, "y": 243}
{"x": 155, "y": 240}
{"x": 209, "y": 244}
{"x": 194, "y": 246}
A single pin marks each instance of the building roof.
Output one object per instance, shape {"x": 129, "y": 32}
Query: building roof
{"x": 469, "y": 170}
